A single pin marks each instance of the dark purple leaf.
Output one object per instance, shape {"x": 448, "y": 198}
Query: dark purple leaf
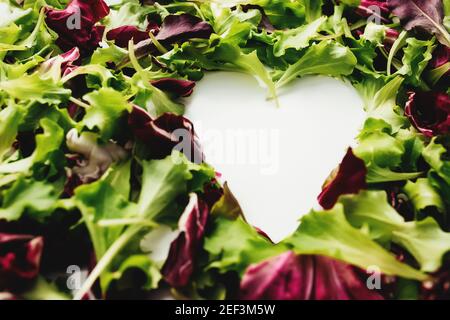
{"x": 350, "y": 178}
{"x": 20, "y": 257}
{"x": 211, "y": 193}
{"x": 179, "y": 265}
{"x": 179, "y": 28}
{"x": 75, "y": 25}
{"x": 162, "y": 134}
{"x": 441, "y": 56}
{"x": 425, "y": 15}
{"x": 429, "y": 112}
{"x": 304, "y": 277}
{"x": 122, "y": 35}
{"x": 176, "y": 87}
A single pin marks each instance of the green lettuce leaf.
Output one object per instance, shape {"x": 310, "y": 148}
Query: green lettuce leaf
{"x": 36, "y": 198}
{"x": 328, "y": 233}
{"x": 327, "y": 58}
{"x": 423, "y": 239}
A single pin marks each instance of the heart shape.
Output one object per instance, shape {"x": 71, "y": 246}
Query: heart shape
{"x": 275, "y": 160}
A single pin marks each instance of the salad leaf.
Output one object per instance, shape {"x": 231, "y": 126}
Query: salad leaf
{"x": 424, "y": 15}
{"x": 10, "y": 118}
{"x": 423, "y": 195}
{"x": 417, "y": 55}
{"x": 328, "y": 233}
{"x": 36, "y": 198}
{"x": 179, "y": 266}
{"x": 244, "y": 246}
{"x": 429, "y": 112}
{"x": 327, "y": 58}
{"x": 304, "y": 277}
{"x": 350, "y": 178}
{"x": 47, "y": 143}
{"x": 35, "y": 88}
{"x": 20, "y": 258}
{"x": 76, "y": 24}
{"x": 107, "y": 106}
{"x": 313, "y": 9}
{"x": 297, "y": 38}
{"x": 423, "y": 239}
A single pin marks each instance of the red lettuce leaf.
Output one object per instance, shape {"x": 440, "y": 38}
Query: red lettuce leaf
{"x": 304, "y": 277}
{"x": 178, "y": 28}
{"x": 20, "y": 258}
{"x": 159, "y": 134}
{"x": 441, "y": 56}
{"x": 350, "y": 179}
{"x": 425, "y": 15}
{"x": 82, "y": 32}
{"x": 122, "y": 35}
{"x": 429, "y": 112}
{"x": 179, "y": 265}
{"x": 176, "y": 87}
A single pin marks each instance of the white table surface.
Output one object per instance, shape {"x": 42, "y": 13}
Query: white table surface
{"x": 276, "y": 164}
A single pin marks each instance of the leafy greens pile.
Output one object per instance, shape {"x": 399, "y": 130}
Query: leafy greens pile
{"x": 97, "y": 201}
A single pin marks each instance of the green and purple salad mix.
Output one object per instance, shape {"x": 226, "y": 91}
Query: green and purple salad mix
{"x": 92, "y": 178}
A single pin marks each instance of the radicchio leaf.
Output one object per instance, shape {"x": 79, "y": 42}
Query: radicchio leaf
{"x": 176, "y": 87}
{"x": 350, "y": 178}
{"x": 178, "y": 28}
{"x": 164, "y": 133}
{"x": 75, "y": 25}
{"x": 441, "y": 56}
{"x": 429, "y": 112}
{"x": 304, "y": 277}
{"x": 122, "y": 35}
{"x": 20, "y": 257}
{"x": 426, "y": 15}
{"x": 179, "y": 265}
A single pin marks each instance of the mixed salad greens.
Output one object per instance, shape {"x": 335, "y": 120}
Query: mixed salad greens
{"x": 97, "y": 200}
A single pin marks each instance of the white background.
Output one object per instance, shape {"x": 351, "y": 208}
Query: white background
{"x": 316, "y": 122}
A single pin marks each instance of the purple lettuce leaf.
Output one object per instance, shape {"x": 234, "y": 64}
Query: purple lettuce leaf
{"x": 304, "y": 277}
{"x": 349, "y": 179}
{"x": 429, "y": 112}
{"x": 122, "y": 35}
{"x": 441, "y": 56}
{"x": 158, "y": 134}
{"x": 424, "y": 15}
{"x": 175, "y": 87}
{"x": 179, "y": 28}
{"x": 20, "y": 258}
{"x": 285, "y": 277}
{"x": 82, "y": 32}
{"x": 179, "y": 265}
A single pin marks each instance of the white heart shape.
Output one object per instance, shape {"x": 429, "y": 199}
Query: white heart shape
{"x": 276, "y": 164}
